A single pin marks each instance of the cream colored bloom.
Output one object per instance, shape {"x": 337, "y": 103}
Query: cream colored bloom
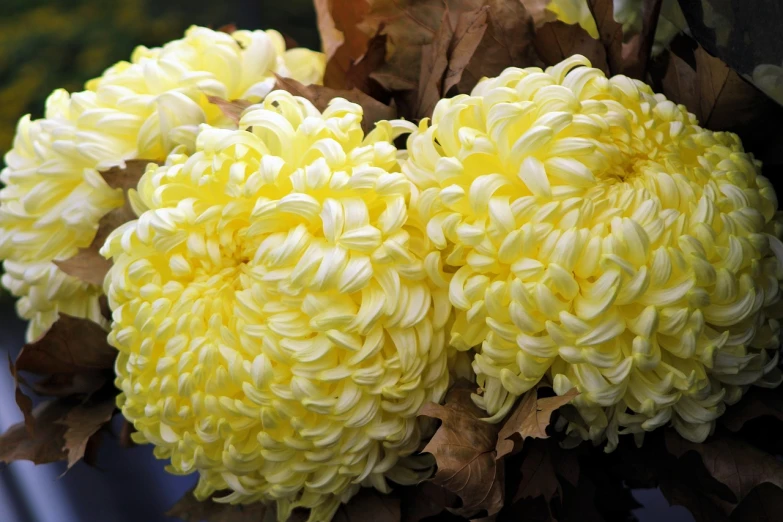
{"x": 574, "y": 12}
{"x": 600, "y": 238}
{"x": 277, "y": 329}
{"x": 769, "y": 78}
{"x": 54, "y": 195}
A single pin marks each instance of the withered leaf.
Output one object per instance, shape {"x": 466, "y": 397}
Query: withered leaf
{"x": 24, "y": 402}
{"x": 231, "y": 109}
{"x": 556, "y": 41}
{"x": 758, "y": 402}
{"x": 66, "y": 384}
{"x": 700, "y": 505}
{"x": 507, "y": 42}
{"x": 636, "y": 52}
{"x": 125, "y": 439}
{"x": 369, "y": 505}
{"x": 530, "y": 419}
{"x": 537, "y": 9}
{"x": 736, "y": 464}
{"x": 434, "y": 63}
{"x": 189, "y": 509}
{"x": 471, "y": 26}
{"x": 42, "y": 444}
{"x": 320, "y": 96}
{"x": 71, "y": 345}
{"x": 88, "y": 264}
{"x": 359, "y": 72}
{"x": 343, "y": 40}
{"x": 423, "y": 501}
{"x": 717, "y": 95}
{"x": 227, "y": 28}
{"x": 82, "y": 422}
{"x": 610, "y": 33}
{"x": 464, "y": 449}
{"x": 763, "y": 504}
{"x": 538, "y": 474}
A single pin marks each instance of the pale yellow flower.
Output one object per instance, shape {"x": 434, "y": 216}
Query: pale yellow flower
{"x": 277, "y": 327}
{"x": 54, "y": 195}
{"x": 769, "y": 78}
{"x": 574, "y": 12}
{"x": 600, "y": 238}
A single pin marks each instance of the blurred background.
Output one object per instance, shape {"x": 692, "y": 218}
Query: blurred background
{"x": 46, "y": 44}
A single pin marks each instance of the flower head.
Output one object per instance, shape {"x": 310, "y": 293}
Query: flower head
{"x": 276, "y": 325}
{"x": 601, "y": 239}
{"x": 54, "y": 195}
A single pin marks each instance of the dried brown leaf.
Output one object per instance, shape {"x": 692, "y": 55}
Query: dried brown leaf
{"x": 538, "y": 473}
{"x": 700, "y": 505}
{"x": 556, "y": 41}
{"x": 530, "y": 419}
{"x": 538, "y": 11}
{"x": 423, "y": 501}
{"x": 434, "y": 63}
{"x": 41, "y": 445}
{"x": 231, "y": 109}
{"x": 637, "y": 51}
{"x": 610, "y": 33}
{"x": 369, "y": 505}
{"x": 343, "y": 40}
{"x": 82, "y": 422}
{"x": 763, "y": 504}
{"x": 189, "y": 509}
{"x": 88, "y": 264}
{"x": 24, "y": 402}
{"x": 125, "y": 439}
{"x": 507, "y": 42}
{"x": 758, "y": 402}
{"x": 321, "y": 96}
{"x": 67, "y": 384}
{"x": 471, "y": 26}
{"x": 360, "y": 71}
{"x": 464, "y": 448}
{"x": 227, "y": 28}
{"x": 71, "y": 345}
{"x": 736, "y": 464}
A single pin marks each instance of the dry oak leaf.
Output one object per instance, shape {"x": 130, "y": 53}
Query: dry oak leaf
{"x": 232, "y": 109}
{"x": 758, "y": 402}
{"x": 610, "y": 33}
{"x": 24, "y": 402}
{"x": 371, "y": 506}
{"x": 763, "y": 504}
{"x": 736, "y": 464}
{"x": 530, "y": 419}
{"x": 538, "y": 473}
{"x": 342, "y": 40}
{"x": 464, "y": 449}
{"x": 66, "y": 384}
{"x": 507, "y": 42}
{"x": 71, "y": 345}
{"x": 556, "y": 41}
{"x": 411, "y": 25}
{"x": 321, "y": 96}
{"x": 538, "y": 11}
{"x": 88, "y": 264}
{"x": 189, "y": 509}
{"x": 637, "y": 51}
{"x": 82, "y": 422}
{"x": 44, "y": 443}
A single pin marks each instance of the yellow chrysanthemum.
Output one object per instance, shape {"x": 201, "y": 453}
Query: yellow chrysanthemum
{"x": 769, "y": 78}
{"x": 277, "y": 328}
{"x": 54, "y": 195}
{"x": 574, "y": 12}
{"x": 603, "y": 240}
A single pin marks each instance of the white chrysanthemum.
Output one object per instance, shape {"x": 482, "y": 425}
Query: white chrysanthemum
{"x": 54, "y": 195}
{"x": 769, "y": 78}
{"x": 601, "y": 239}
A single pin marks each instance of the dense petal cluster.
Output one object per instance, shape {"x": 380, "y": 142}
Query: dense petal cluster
{"x": 54, "y": 195}
{"x": 601, "y": 239}
{"x": 280, "y": 319}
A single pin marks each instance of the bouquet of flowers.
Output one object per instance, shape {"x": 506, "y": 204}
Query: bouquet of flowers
{"x": 478, "y": 259}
